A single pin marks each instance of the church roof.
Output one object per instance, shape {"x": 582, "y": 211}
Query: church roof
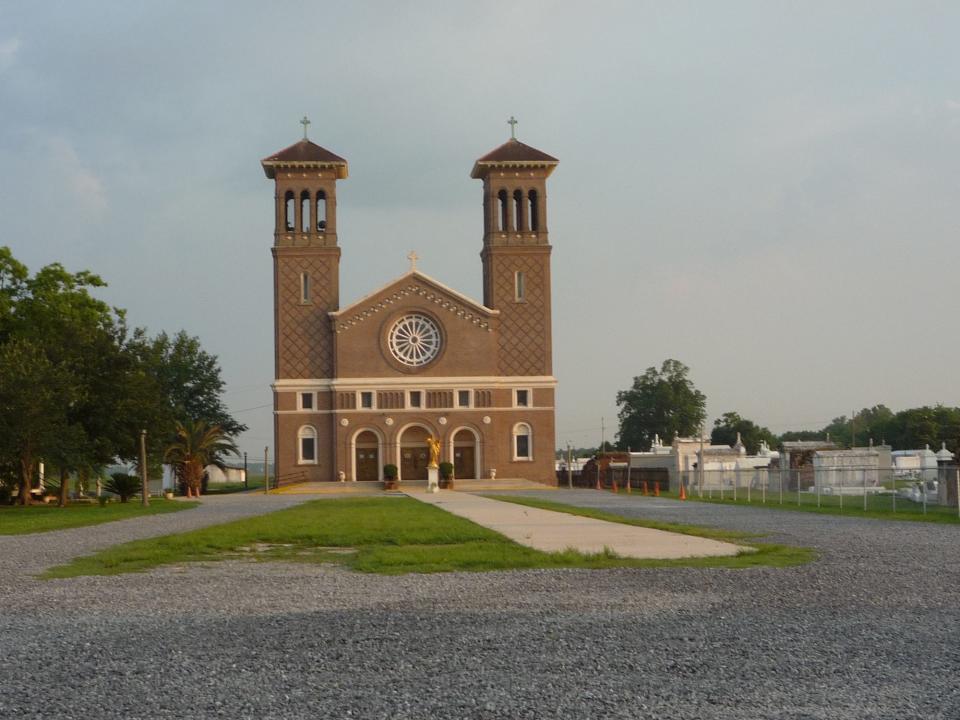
{"x": 435, "y": 292}
{"x": 304, "y": 154}
{"x": 512, "y": 153}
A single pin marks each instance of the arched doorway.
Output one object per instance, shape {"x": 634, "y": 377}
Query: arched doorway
{"x": 414, "y": 453}
{"x": 366, "y": 456}
{"x": 466, "y": 454}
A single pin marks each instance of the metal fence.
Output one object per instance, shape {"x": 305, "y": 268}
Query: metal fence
{"x": 868, "y": 489}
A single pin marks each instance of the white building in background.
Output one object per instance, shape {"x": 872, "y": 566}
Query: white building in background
{"x": 723, "y": 465}
{"x": 915, "y": 463}
{"x": 215, "y": 476}
{"x": 853, "y": 471}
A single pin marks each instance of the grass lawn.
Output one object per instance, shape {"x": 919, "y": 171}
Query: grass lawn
{"x": 15, "y": 520}
{"x": 378, "y": 535}
{"x": 878, "y": 506}
{"x": 255, "y": 483}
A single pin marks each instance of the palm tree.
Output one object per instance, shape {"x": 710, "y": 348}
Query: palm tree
{"x": 196, "y": 446}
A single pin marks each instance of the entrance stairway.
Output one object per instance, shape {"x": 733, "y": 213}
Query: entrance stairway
{"x": 376, "y": 487}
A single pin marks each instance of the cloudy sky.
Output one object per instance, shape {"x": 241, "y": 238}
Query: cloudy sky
{"x": 765, "y": 191}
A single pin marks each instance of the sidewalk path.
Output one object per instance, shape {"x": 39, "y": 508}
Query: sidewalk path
{"x": 551, "y": 531}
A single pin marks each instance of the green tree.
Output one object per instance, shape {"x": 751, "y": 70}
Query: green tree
{"x": 730, "y": 424}
{"x": 195, "y": 446}
{"x": 188, "y": 376}
{"x": 660, "y": 402}
{"x": 35, "y": 395}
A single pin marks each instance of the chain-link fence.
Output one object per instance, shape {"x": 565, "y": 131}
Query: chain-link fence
{"x": 864, "y": 488}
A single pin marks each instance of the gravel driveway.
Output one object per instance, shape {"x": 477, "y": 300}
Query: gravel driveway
{"x": 868, "y": 631}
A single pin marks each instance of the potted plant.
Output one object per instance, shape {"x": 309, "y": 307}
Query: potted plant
{"x": 446, "y": 475}
{"x": 390, "y": 481}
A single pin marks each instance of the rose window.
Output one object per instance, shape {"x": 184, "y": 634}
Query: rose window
{"x": 414, "y": 340}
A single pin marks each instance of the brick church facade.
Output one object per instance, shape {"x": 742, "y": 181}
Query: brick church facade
{"x": 362, "y": 386}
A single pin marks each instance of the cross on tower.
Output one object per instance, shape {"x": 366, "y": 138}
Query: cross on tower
{"x": 413, "y": 257}
{"x": 512, "y": 122}
{"x": 305, "y": 122}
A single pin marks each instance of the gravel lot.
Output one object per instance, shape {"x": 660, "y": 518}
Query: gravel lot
{"x": 868, "y": 631}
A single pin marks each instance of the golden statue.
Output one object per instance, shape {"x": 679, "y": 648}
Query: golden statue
{"x": 434, "y": 445}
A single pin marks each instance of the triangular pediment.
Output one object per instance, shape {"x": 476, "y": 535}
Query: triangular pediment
{"x": 445, "y": 300}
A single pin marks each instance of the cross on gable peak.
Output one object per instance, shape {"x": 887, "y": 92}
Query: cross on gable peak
{"x": 413, "y": 257}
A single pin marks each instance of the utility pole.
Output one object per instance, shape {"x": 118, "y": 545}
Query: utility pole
{"x": 246, "y": 483}
{"x": 700, "y": 463}
{"x": 266, "y": 470}
{"x": 603, "y": 441}
{"x": 145, "y": 484}
{"x": 853, "y": 429}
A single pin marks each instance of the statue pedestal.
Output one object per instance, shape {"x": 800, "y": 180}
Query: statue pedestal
{"x": 433, "y": 479}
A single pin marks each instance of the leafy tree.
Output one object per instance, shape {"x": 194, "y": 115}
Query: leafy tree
{"x": 663, "y": 402}
{"x": 35, "y": 396}
{"x": 76, "y": 387}
{"x": 728, "y": 425}
{"x": 867, "y": 423}
{"x": 802, "y": 436}
{"x": 189, "y": 377}
{"x": 197, "y": 445}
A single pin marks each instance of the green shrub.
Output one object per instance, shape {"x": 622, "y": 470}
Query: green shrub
{"x": 123, "y": 485}
{"x": 446, "y": 470}
{"x": 390, "y": 472}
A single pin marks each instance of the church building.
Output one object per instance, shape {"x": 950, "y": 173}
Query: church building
{"x": 365, "y": 385}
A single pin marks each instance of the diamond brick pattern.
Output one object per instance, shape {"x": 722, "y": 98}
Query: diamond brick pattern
{"x": 522, "y": 340}
{"x": 441, "y": 300}
{"x": 305, "y": 347}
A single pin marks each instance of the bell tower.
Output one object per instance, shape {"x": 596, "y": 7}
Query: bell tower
{"x": 516, "y": 253}
{"x": 306, "y": 257}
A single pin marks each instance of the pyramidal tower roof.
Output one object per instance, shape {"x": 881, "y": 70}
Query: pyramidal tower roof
{"x": 513, "y": 154}
{"x": 304, "y": 154}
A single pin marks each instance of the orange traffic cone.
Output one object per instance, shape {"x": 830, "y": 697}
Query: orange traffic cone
{"x": 683, "y": 491}
{"x": 656, "y": 489}
{"x": 644, "y": 490}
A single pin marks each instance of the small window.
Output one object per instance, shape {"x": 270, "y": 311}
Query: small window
{"x": 522, "y": 446}
{"x": 289, "y": 208}
{"x": 307, "y": 437}
{"x": 321, "y": 211}
{"x": 519, "y": 286}
{"x": 522, "y": 398}
{"x": 503, "y": 216}
{"x": 416, "y": 399}
{"x": 306, "y": 401}
{"x": 304, "y": 287}
{"x": 366, "y": 400}
{"x": 518, "y": 211}
{"x": 463, "y": 398}
{"x": 305, "y": 211}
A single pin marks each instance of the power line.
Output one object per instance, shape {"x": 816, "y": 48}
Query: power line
{"x": 258, "y": 407}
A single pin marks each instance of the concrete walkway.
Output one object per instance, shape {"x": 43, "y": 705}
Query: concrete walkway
{"x": 551, "y": 531}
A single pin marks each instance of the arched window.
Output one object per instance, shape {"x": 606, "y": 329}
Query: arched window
{"x": 519, "y": 286}
{"x": 518, "y": 210}
{"x": 321, "y": 211}
{"x": 307, "y": 445}
{"x": 504, "y": 214}
{"x": 532, "y": 215}
{"x": 288, "y": 210}
{"x": 522, "y": 442}
{"x": 305, "y": 211}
